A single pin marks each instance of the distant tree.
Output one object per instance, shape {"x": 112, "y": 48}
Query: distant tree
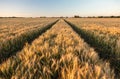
{"x": 112, "y": 16}
{"x": 13, "y": 17}
{"x": 43, "y": 17}
{"x": 76, "y": 16}
{"x": 100, "y": 17}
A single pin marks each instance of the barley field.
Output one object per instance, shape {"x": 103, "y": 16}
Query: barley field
{"x": 55, "y": 48}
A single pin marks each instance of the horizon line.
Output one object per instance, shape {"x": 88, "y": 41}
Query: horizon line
{"x": 63, "y": 16}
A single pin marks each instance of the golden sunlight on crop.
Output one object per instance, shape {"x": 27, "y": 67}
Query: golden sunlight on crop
{"x": 60, "y": 54}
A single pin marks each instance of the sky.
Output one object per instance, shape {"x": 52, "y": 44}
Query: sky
{"x": 37, "y": 8}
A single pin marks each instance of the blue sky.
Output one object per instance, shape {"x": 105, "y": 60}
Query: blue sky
{"x": 33, "y": 8}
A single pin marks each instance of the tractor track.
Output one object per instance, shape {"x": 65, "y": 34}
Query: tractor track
{"x": 5, "y": 54}
{"x": 101, "y": 52}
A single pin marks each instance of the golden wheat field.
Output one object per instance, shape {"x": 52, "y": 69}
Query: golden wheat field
{"x": 55, "y": 48}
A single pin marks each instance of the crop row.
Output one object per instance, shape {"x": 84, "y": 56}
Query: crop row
{"x": 106, "y": 40}
{"x": 9, "y": 47}
{"x": 59, "y": 53}
{"x": 10, "y": 28}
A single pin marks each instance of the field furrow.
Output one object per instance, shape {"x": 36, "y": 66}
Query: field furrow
{"x": 104, "y": 38}
{"x": 59, "y": 53}
{"x": 11, "y": 45}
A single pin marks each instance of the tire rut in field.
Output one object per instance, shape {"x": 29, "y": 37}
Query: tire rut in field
{"x": 12, "y": 52}
{"x": 108, "y": 58}
{"x": 59, "y": 53}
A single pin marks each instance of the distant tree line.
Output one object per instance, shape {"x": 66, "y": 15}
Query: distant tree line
{"x": 11, "y": 17}
{"x": 77, "y": 16}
